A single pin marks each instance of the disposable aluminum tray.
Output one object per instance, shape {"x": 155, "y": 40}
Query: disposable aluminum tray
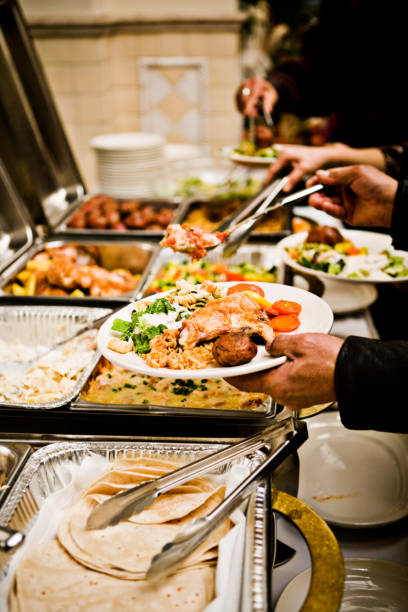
{"x": 41, "y": 477}
{"x": 12, "y": 458}
{"x": 264, "y": 255}
{"x": 173, "y": 204}
{"x": 45, "y": 325}
{"x": 115, "y": 253}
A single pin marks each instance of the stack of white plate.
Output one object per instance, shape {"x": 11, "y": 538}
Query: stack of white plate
{"x": 128, "y": 164}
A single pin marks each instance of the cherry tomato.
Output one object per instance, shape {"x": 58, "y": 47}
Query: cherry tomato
{"x": 284, "y": 323}
{"x": 245, "y": 287}
{"x": 285, "y": 307}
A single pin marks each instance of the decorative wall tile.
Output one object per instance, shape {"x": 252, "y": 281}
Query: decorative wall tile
{"x": 173, "y": 98}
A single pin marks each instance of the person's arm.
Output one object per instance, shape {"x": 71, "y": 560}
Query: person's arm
{"x": 370, "y": 384}
{"x": 307, "y": 159}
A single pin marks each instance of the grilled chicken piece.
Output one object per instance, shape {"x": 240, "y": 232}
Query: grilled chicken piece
{"x": 236, "y": 312}
{"x": 64, "y": 273}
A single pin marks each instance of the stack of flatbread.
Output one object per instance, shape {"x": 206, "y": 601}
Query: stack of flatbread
{"x": 104, "y": 570}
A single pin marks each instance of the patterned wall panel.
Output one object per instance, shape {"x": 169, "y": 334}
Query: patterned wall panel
{"x": 174, "y": 99}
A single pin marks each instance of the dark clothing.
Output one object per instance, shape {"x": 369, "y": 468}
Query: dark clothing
{"x": 350, "y": 69}
{"x": 371, "y": 384}
{"x": 371, "y": 375}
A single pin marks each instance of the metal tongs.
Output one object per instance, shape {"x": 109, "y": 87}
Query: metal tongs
{"x": 133, "y": 501}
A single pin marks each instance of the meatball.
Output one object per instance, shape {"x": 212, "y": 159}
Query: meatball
{"x": 234, "y": 348}
{"x": 325, "y": 234}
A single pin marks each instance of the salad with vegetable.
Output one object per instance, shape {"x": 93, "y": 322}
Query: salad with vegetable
{"x": 326, "y": 250}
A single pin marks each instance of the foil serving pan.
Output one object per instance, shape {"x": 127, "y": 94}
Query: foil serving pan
{"x": 264, "y": 255}
{"x": 12, "y": 458}
{"x": 173, "y": 204}
{"x": 45, "y": 325}
{"x": 43, "y": 475}
{"x": 114, "y": 253}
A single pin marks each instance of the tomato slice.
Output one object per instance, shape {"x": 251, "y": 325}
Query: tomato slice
{"x": 245, "y": 287}
{"x": 234, "y": 276}
{"x": 285, "y": 307}
{"x": 284, "y": 323}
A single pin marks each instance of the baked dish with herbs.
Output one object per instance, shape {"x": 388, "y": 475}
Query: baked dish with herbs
{"x": 112, "y": 385}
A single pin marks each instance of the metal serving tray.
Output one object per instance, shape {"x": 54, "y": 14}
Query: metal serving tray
{"x": 266, "y": 410}
{"x": 134, "y": 256}
{"x": 44, "y": 325}
{"x": 12, "y": 458}
{"x": 264, "y": 255}
{"x": 41, "y": 477}
{"x": 256, "y": 236}
{"x": 156, "y": 203}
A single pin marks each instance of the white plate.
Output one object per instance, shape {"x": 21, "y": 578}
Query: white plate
{"x": 252, "y": 159}
{"x": 316, "y": 316}
{"x": 369, "y": 585}
{"x": 353, "y": 478}
{"x": 374, "y": 241}
{"x": 343, "y": 298}
{"x": 127, "y": 141}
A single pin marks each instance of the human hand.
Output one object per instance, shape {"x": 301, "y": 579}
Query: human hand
{"x": 307, "y": 376}
{"x": 365, "y": 196}
{"x": 304, "y": 160}
{"x": 250, "y": 91}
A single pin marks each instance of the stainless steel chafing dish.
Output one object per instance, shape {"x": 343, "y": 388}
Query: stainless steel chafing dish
{"x": 212, "y": 210}
{"x": 265, "y": 410}
{"x": 20, "y": 240}
{"x": 42, "y": 476}
{"x": 264, "y": 255}
{"x": 172, "y": 204}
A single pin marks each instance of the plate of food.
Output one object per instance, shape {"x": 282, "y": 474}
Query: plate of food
{"x": 212, "y": 330}
{"x": 248, "y": 153}
{"x": 350, "y": 255}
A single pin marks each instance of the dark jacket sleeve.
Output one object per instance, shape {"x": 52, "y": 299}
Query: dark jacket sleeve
{"x": 399, "y": 221}
{"x": 396, "y": 160}
{"x": 371, "y": 384}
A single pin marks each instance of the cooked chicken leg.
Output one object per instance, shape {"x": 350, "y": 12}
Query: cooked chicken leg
{"x": 236, "y": 312}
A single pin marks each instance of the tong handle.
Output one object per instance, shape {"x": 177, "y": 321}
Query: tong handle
{"x": 124, "y": 504}
{"x": 193, "y": 535}
{"x": 216, "y": 459}
{"x": 241, "y": 213}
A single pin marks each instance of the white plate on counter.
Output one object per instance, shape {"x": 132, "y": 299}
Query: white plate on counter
{"x": 369, "y": 585}
{"x": 341, "y": 297}
{"x": 316, "y": 316}
{"x": 353, "y": 478}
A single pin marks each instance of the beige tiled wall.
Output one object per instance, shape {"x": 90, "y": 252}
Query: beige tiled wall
{"x": 96, "y": 82}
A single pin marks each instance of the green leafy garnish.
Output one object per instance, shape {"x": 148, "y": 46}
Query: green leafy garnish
{"x": 141, "y": 341}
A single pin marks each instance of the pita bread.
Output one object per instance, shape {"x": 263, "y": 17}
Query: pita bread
{"x": 104, "y": 570}
{"x": 49, "y": 580}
